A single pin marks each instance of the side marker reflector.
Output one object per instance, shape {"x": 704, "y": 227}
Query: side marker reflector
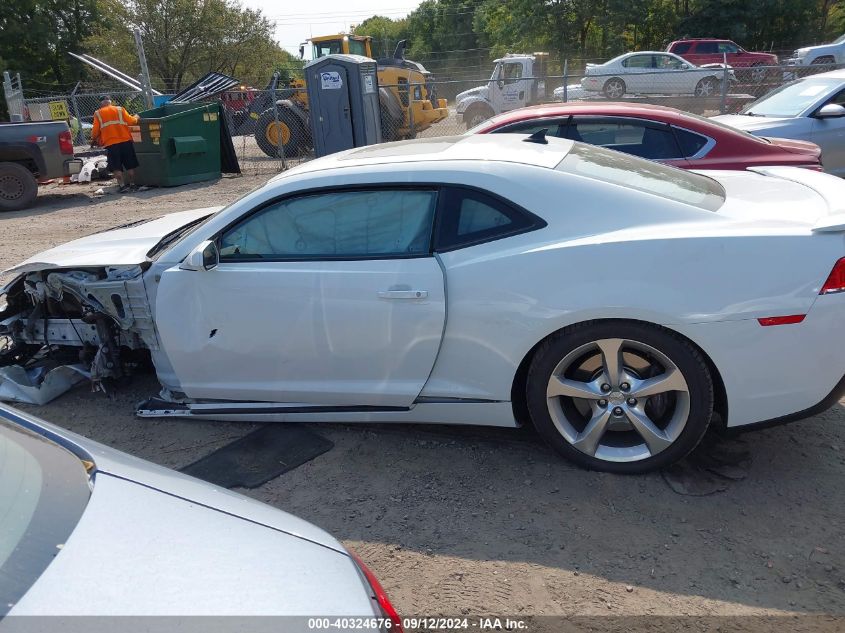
{"x": 782, "y": 320}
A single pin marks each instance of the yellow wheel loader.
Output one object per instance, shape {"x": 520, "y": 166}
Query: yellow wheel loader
{"x": 407, "y": 97}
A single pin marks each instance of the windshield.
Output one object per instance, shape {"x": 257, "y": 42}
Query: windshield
{"x": 329, "y": 47}
{"x": 43, "y": 493}
{"x": 643, "y": 175}
{"x": 357, "y": 47}
{"x": 839, "y": 39}
{"x": 793, "y": 98}
{"x": 496, "y": 70}
{"x": 178, "y": 234}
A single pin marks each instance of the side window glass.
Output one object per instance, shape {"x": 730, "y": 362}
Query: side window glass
{"x": 838, "y": 99}
{"x": 682, "y": 48}
{"x": 667, "y": 62}
{"x": 690, "y": 142}
{"x": 529, "y": 127}
{"x": 725, "y": 47}
{"x": 706, "y": 48}
{"x": 343, "y": 224}
{"x": 638, "y": 61}
{"x": 471, "y": 217}
{"x": 513, "y": 72}
{"x": 639, "y": 139}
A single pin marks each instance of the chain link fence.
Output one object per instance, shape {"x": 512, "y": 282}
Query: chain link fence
{"x": 268, "y": 139}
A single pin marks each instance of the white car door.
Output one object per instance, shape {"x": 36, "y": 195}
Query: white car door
{"x": 331, "y": 298}
{"x": 512, "y": 89}
{"x": 638, "y": 74}
{"x": 829, "y": 134}
{"x": 669, "y": 77}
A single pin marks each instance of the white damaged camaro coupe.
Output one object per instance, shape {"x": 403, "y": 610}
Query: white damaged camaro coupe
{"x": 617, "y": 304}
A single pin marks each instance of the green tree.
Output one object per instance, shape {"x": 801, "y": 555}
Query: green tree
{"x": 184, "y": 39}
{"x": 385, "y": 32}
{"x": 38, "y": 34}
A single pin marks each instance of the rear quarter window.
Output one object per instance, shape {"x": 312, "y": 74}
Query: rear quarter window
{"x": 680, "y": 49}
{"x": 643, "y": 175}
{"x": 469, "y": 216}
{"x": 689, "y": 142}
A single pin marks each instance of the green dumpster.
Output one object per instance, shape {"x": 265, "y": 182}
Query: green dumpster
{"x": 178, "y": 143}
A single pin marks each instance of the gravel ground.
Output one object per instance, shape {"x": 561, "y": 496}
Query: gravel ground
{"x": 477, "y": 521}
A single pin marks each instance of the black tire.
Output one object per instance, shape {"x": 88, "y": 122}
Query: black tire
{"x": 614, "y": 88}
{"x": 707, "y": 87}
{"x": 390, "y": 126}
{"x": 392, "y": 116}
{"x": 477, "y": 114}
{"x": 295, "y": 138}
{"x": 823, "y": 60}
{"x": 18, "y": 187}
{"x": 685, "y": 356}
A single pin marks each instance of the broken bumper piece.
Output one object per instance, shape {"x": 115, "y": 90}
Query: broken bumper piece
{"x": 39, "y": 385}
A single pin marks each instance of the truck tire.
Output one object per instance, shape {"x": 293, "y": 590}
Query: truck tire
{"x": 477, "y": 114}
{"x": 295, "y": 138}
{"x": 392, "y": 116}
{"x": 18, "y": 187}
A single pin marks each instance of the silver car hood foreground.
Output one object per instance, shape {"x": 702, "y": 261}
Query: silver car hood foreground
{"x": 156, "y": 542}
{"x": 117, "y": 247}
{"x": 138, "y": 551}
{"x": 119, "y": 464}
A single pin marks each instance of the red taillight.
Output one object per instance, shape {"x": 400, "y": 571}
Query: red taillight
{"x": 836, "y": 279}
{"x": 380, "y": 595}
{"x": 782, "y": 320}
{"x": 65, "y": 143}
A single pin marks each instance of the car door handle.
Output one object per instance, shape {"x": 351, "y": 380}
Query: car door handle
{"x": 402, "y": 294}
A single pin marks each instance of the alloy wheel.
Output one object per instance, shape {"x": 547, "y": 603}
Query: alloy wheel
{"x": 705, "y": 88}
{"x": 614, "y": 89}
{"x": 618, "y": 400}
{"x": 758, "y": 74}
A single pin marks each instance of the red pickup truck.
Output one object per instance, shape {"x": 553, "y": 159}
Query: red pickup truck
{"x": 712, "y": 51}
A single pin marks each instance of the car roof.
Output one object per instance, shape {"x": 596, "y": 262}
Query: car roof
{"x": 658, "y": 112}
{"x": 833, "y": 74}
{"x": 487, "y": 148}
{"x": 646, "y": 53}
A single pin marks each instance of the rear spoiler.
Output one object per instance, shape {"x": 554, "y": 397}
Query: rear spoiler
{"x": 830, "y": 188}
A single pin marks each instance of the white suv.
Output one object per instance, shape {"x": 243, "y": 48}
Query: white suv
{"x": 833, "y": 53}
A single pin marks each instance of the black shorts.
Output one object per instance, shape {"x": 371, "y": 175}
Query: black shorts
{"x": 121, "y": 156}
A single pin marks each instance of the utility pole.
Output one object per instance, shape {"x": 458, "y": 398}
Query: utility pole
{"x": 146, "y": 85}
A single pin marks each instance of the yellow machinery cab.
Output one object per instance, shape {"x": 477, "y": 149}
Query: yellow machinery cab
{"x": 415, "y": 105}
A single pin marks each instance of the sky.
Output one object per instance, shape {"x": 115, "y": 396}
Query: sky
{"x": 295, "y": 22}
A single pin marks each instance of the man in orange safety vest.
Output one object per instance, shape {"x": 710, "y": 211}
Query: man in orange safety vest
{"x": 111, "y": 130}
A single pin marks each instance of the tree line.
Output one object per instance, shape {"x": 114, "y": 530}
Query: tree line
{"x": 184, "y": 39}
{"x": 457, "y": 38}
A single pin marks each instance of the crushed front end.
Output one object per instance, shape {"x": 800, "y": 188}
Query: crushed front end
{"x": 97, "y": 320}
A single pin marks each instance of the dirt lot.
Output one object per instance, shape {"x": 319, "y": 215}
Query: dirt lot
{"x": 478, "y": 521}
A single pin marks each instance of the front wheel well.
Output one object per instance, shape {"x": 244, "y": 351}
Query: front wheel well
{"x": 518, "y": 395}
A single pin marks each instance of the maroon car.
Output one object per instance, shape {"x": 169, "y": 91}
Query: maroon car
{"x": 712, "y": 51}
{"x": 657, "y": 133}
